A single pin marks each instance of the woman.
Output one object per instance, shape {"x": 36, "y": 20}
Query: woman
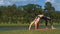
{"x": 41, "y": 16}
{"x": 35, "y": 21}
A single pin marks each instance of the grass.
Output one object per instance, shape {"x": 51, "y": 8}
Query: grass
{"x": 14, "y": 24}
{"x": 56, "y": 31}
{"x": 19, "y": 24}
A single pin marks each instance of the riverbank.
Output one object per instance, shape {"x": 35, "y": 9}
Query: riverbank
{"x": 23, "y": 24}
{"x": 56, "y": 31}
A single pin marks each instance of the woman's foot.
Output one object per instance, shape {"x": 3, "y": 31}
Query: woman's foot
{"x": 53, "y": 28}
{"x": 46, "y": 28}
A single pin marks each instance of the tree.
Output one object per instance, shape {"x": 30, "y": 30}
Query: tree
{"x": 49, "y": 9}
{"x": 31, "y": 10}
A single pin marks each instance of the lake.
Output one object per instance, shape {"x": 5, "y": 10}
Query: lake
{"x": 21, "y": 27}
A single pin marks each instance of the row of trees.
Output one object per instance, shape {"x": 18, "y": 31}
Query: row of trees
{"x": 26, "y": 13}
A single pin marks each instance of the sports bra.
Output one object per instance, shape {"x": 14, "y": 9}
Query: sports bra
{"x": 37, "y": 16}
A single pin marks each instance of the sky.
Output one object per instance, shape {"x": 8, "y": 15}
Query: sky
{"x": 55, "y": 3}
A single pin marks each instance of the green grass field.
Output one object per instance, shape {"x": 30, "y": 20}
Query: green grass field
{"x": 56, "y": 31}
{"x": 19, "y": 24}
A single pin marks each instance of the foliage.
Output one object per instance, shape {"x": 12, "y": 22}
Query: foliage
{"x": 25, "y": 14}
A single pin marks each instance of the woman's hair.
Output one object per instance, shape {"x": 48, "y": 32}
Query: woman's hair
{"x": 38, "y": 14}
{"x": 41, "y": 13}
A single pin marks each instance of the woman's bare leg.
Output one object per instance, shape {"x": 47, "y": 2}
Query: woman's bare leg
{"x": 51, "y": 22}
{"x": 36, "y": 25}
{"x": 31, "y": 25}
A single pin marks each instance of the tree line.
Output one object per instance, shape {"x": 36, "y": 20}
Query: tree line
{"x": 25, "y": 14}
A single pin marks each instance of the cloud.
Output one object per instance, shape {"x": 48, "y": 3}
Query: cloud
{"x": 1, "y": 2}
{"x": 10, "y": 2}
{"x": 55, "y": 3}
{"x": 23, "y": 0}
{"x": 52, "y": 1}
{"x": 4, "y": 3}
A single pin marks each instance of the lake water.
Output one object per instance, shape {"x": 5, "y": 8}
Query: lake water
{"x": 21, "y": 27}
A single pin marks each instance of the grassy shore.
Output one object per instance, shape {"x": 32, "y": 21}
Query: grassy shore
{"x": 14, "y": 24}
{"x": 23, "y": 24}
{"x": 56, "y": 31}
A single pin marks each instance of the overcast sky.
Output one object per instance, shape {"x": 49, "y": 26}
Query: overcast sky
{"x": 55, "y": 3}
